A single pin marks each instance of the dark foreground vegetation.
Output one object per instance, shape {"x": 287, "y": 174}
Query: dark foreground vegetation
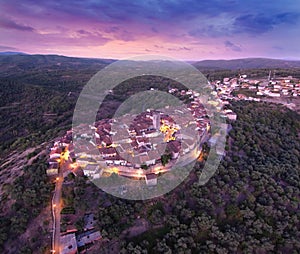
{"x": 27, "y": 195}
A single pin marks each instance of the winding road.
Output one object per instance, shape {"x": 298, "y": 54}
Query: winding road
{"x": 56, "y": 209}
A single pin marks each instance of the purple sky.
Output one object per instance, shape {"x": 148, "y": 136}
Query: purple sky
{"x": 189, "y": 30}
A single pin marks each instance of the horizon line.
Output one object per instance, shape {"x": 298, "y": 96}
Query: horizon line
{"x": 117, "y": 59}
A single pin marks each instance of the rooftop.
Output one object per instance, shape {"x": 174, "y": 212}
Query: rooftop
{"x": 68, "y": 244}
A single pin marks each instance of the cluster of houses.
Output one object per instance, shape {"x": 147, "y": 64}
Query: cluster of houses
{"x": 223, "y": 93}
{"x": 54, "y": 159}
{"x": 72, "y": 242}
{"x": 130, "y": 143}
{"x": 140, "y": 142}
{"x": 274, "y": 87}
{"x": 62, "y": 149}
{"x": 224, "y": 88}
{"x": 271, "y": 87}
{"x": 196, "y": 108}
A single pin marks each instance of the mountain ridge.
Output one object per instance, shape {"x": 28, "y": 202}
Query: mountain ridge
{"x": 9, "y": 53}
{"x": 36, "y": 60}
{"x": 248, "y": 63}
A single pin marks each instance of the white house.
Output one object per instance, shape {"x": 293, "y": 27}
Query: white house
{"x": 151, "y": 179}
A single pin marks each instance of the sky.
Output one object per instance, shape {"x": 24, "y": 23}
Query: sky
{"x": 186, "y": 30}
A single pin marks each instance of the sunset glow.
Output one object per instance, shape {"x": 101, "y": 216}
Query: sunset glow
{"x": 188, "y": 30}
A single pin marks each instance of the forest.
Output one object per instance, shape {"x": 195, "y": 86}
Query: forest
{"x": 30, "y": 193}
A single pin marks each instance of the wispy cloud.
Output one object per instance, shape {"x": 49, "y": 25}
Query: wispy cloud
{"x": 232, "y": 46}
{"x": 10, "y": 24}
{"x": 7, "y": 48}
{"x": 180, "y": 49}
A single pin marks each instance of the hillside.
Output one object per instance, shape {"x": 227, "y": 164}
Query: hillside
{"x": 247, "y": 63}
{"x": 37, "y": 96}
{"x": 9, "y": 53}
{"x": 17, "y": 61}
{"x": 17, "y": 64}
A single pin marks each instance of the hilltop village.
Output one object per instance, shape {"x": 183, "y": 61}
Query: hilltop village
{"x": 151, "y": 142}
{"x": 148, "y": 131}
{"x": 143, "y": 147}
{"x": 272, "y": 87}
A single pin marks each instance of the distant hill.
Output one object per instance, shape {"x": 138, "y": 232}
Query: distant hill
{"x": 9, "y": 53}
{"x": 16, "y": 64}
{"x": 247, "y": 63}
{"x": 42, "y": 60}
